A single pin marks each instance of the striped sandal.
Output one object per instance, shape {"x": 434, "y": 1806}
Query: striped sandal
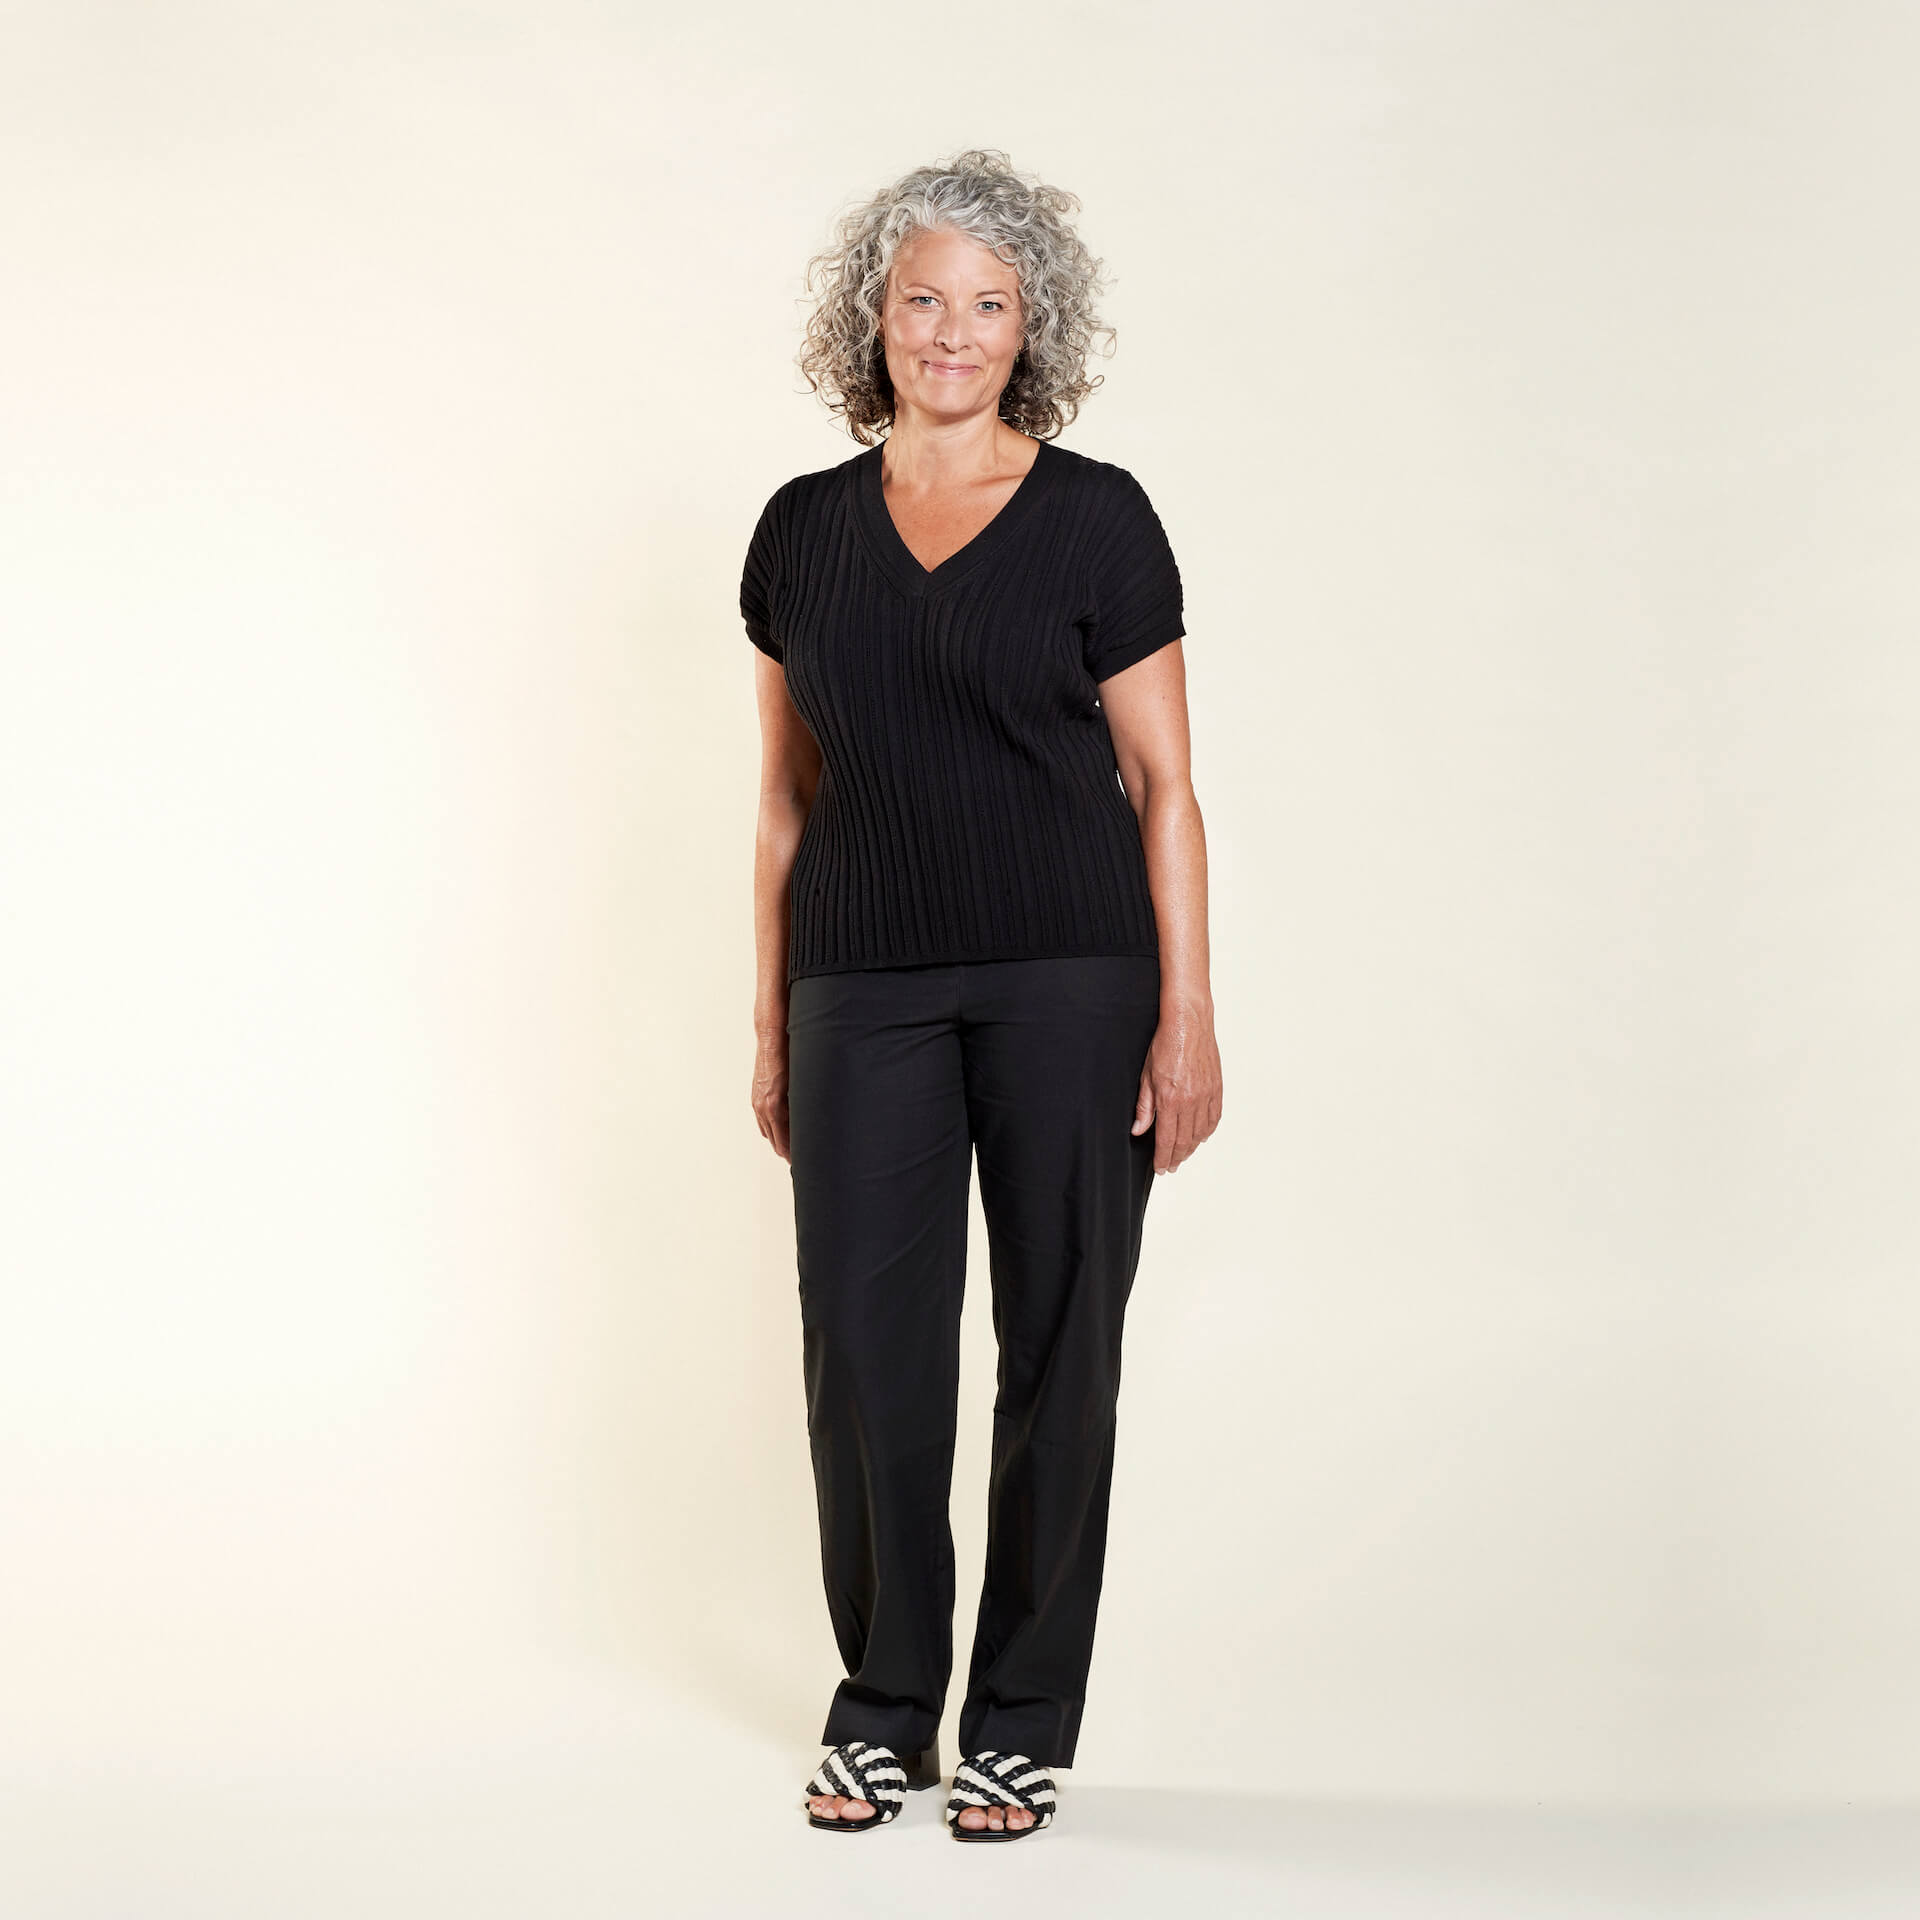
{"x": 874, "y": 1774}
{"x": 1000, "y": 1780}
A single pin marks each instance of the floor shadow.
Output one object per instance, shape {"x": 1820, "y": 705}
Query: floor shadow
{"x": 1622, "y": 1852}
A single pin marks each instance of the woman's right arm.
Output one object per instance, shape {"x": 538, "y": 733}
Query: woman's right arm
{"x": 789, "y": 777}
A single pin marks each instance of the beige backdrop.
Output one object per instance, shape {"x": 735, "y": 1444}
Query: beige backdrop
{"x": 400, "y": 1353}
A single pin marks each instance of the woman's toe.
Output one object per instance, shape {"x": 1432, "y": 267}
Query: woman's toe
{"x": 1019, "y": 1817}
{"x": 856, "y": 1809}
{"x": 973, "y": 1818}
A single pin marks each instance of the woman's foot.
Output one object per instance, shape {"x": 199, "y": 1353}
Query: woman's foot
{"x": 858, "y": 1786}
{"x": 836, "y": 1806}
{"x": 1000, "y": 1796}
{"x": 1013, "y": 1818}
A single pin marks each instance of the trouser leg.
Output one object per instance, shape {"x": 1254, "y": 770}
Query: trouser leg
{"x": 1052, "y": 1051}
{"x": 881, "y": 1164}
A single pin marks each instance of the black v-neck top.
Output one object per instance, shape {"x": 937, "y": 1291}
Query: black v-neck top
{"x": 969, "y": 805}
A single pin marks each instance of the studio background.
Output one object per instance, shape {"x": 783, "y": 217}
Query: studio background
{"x": 399, "y": 1372}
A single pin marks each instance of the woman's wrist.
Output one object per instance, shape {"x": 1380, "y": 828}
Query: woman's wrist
{"x": 1183, "y": 997}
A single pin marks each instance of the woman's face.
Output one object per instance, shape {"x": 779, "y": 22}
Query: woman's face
{"x": 953, "y": 323}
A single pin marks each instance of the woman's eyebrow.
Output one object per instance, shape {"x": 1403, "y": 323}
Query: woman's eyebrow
{"x": 923, "y": 286}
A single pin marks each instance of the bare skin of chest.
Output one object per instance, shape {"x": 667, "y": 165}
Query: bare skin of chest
{"x": 934, "y": 526}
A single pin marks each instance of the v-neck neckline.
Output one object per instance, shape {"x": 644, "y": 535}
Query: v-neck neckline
{"x": 896, "y": 557}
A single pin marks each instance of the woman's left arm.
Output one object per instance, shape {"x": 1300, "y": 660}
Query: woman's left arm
{"x": 1146, "y": 709}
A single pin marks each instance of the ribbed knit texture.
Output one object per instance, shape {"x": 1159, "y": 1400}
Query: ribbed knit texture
{"x": 969, "y": 805}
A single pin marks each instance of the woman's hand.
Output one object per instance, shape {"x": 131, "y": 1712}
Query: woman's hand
{"x": 1180, "y": 1084}
{"x": 770, "y": 1087}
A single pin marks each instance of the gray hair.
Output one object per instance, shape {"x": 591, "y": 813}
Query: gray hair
{"x": 1024, "y": 222}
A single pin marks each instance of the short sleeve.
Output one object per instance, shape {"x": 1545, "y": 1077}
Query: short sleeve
{"x": 1136, "y": 604}
{"x": 760, "y": 579}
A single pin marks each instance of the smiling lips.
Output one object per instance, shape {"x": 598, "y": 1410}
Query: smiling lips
{"x": 949, "y": 366}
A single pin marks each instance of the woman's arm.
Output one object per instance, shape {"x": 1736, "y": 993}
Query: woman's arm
{"x": 789, "y": 777}
{"x": 1146, "y": 709}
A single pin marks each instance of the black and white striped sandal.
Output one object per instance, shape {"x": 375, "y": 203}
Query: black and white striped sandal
{"x": 874, "y": 1774}
{"x": 1000, "y": 1780}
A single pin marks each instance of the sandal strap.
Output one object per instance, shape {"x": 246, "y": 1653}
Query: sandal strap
{"x": 993, "y": 1779}
{"x": 863, "y": 1772}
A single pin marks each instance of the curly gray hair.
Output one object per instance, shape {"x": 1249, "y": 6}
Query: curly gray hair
{"x": 977, "y": 193}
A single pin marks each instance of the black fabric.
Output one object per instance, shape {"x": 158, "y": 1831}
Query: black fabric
{"x": 969, "y": 806}
{"x": 897, "y": 1079}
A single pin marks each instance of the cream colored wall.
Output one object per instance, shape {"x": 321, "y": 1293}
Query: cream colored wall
{"x": 399, "y": 1336}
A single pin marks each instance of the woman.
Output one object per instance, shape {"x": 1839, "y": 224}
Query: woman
{"x": 980, "y": 912}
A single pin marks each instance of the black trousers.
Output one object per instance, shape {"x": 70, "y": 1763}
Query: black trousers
{"x": 898, "y": 1078}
